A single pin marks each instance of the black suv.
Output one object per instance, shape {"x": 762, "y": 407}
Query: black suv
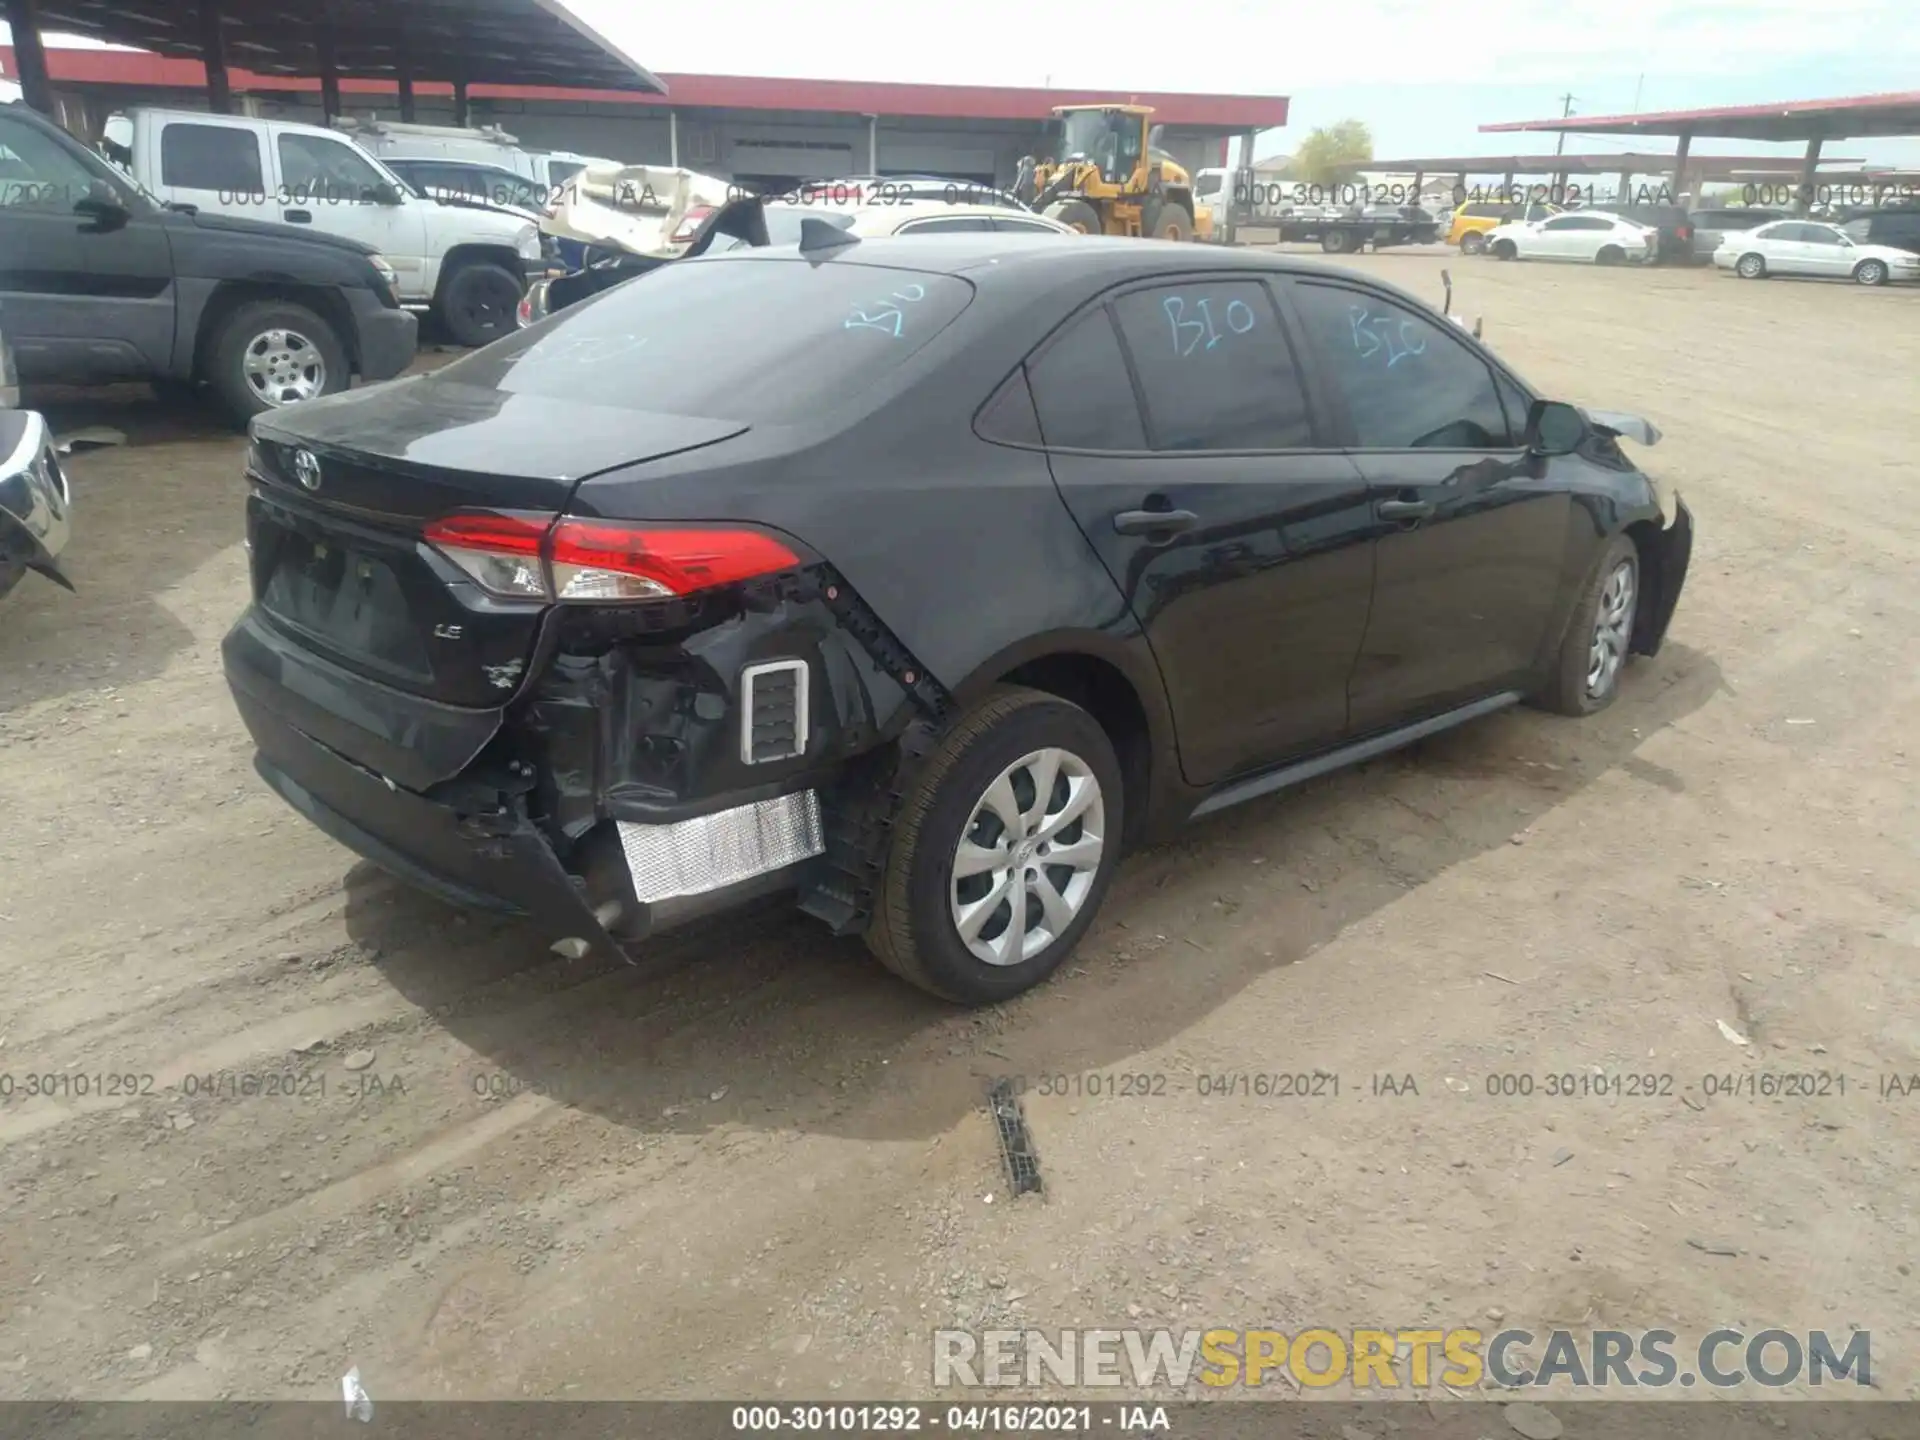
{"x": 102, "y": 283}
{"x": 1896, "y": 226}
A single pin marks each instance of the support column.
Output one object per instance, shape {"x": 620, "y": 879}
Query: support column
{"x": 873, "y": 144}
{"x": 1680, "y": 166}
{"x": 462, "y": 110}
{"x": 406, "y": 94}
{"x": 30, "y": 56}
{"x": 213, "y": 49}
{"x": 1419, "y": 184}
{"x": 1803, "y": 202}
{"x": 1624, "y": 195}
{"x": 1506, "y": 188}
{"x": 673, "y": 138}
{"x": 329, "y": 77}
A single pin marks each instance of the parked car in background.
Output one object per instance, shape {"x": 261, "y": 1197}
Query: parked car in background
{"x": 1472, "y": 221}
{"x": 9, "y": 375}
{"x": 1897, "y": 226}
{"x": 1672, "y": 227}
{"x": 472, "y": 145}
{"x": 1710, "y": 227}
{"x": 1809, "y": 247}
{"x": 860, "y": 190}
{"x": 34, "y": 501}
{"x": 472, "y": 181}
{"x": 100, "y": 283}
{"x": 1594, "y": 236}
{"x": 742, "y": 657}
{"x": 466, "y": 264}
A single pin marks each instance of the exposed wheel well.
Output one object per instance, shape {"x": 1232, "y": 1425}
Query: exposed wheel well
{"x": 1645, "y": 535}
{"x": 1103, "y": 691}
{"x": 322, "y": 300}
{"x": 461, "y": 256}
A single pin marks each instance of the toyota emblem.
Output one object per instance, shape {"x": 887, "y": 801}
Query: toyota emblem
{"x": 306, "y": 468}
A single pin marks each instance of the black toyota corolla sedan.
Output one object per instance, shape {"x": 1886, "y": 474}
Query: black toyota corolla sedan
{"x": 917, "y": 578}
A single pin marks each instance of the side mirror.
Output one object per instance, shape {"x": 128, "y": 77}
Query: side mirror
{"x": 103, "y": 207}
{"x": 1554, "y": 428}
{"x": 387, "y": 194}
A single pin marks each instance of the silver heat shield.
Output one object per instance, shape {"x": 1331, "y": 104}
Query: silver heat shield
{"x": 692, "y": 857}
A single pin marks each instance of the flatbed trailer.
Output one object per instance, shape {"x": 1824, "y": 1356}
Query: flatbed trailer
{"x": 1344, "y": 234}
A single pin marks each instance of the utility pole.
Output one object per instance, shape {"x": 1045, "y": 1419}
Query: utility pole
{"x": 1560, "y": 144}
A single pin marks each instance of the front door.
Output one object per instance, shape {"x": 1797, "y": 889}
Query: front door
{"x": 1465, "y": 580}
{"x": 1182, "y": 439}
{"x": 84, "y": 299}
{"x": 333, "y": 186}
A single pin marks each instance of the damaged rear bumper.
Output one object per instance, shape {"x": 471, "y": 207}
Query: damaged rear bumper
{"x": 439, "y": 797}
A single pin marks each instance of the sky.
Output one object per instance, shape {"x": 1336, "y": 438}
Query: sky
{"x": 1424, "y": 75}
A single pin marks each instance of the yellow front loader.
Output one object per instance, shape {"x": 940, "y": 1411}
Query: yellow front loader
{"x": 1110, "y": 177}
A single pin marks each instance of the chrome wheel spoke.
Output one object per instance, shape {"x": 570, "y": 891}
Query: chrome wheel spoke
{"x": 978, "y": 860}
{"x": 1010, "y": 945}
{"x": 1044, "y": 769}
{"x": 1001, "y": 803}
{"x": 1082, "y": 854}
{"x": 1081, "y": 792}
{"x": 1059, "y": 913}
{"x": 971, "y": 918}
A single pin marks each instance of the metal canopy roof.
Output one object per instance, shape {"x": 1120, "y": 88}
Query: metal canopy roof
{"x": 524, "y": 42}
{"x": 1699, "y": 167}
{"x": 1850, "y": 118}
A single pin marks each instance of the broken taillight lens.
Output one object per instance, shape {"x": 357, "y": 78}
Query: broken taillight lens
{"x": 537, "y": 557}
{"x": 690, "y": 224}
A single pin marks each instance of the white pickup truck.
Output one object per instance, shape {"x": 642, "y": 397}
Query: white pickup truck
{"x": 466, "y": 263}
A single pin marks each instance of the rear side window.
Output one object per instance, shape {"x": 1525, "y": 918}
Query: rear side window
{"x": 211, "y": 157}
{"x": 1215, "y": 371}
{"x": 1083, "y": 392}
{"x": 947, "y": 225}
{"x": 694, "y": 338}
{"x": 1408, "y": 384}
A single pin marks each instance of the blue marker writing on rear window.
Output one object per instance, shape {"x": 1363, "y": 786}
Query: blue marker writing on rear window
{"x": 1188, "y": 334}
{"x": 885, "y": 315}
{"x": 1377, "y": 334}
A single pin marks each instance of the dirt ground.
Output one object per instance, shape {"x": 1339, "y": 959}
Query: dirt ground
{"x": 754, "y": 1164}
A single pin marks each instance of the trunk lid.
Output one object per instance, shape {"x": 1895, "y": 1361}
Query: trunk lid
{"x": 343, "y": 490}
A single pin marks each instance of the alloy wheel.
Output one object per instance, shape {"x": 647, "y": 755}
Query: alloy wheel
{"x": 284, "y": 367}
{"x": 1028, "y": 857}
{"x": 1612, "y": 630}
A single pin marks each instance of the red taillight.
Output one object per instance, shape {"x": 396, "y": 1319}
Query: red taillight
{"x": 690, "y": 224}
{"x": 1685, "y": 232}
{"x": 532, "y": 557}
{"x": 597, "y": 560}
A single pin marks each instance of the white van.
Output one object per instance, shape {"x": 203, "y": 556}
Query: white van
{"x": 465, "y": 263}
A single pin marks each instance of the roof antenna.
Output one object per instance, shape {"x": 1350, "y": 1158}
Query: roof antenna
{"x": 818, "y": 235}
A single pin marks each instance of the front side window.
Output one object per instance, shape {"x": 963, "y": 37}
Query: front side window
{"x": 1407, "y": 383}
{"x": 1215, "y": 371}
{"x": 37, "y": 172}
{"x": 1820, "y": 235}
{"x": 316, "y": 168}
{"x": 946, "y": 225}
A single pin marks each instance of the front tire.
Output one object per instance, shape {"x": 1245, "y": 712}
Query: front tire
{"x": 1871, "y": 272}
{"x": 480, "y": 303}
{"x": 1505, "y": 250}
{"x": 1751, "y": 267}
{"x": 271, "y": 354}
{"x": 1474, "y": 242}
{"x": 1170, "y": 221}
{"x": 1586, "y": 674}
{"x": 1610, "y": 255}
{"x": 1075, "y": 215}
{"x": 1003, "y": 852}
{"x": 1336, "y": 242}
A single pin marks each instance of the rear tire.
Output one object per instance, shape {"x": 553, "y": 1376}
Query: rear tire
{"x": 991, "y": 763}
{"x": 1593, "y": 655}
{"x": 1751, "y": 267}
{"x": 479, "y": 303}
{"x": 1075, "y": 215}
{"x": 1871, "y": 272}
{"x": 1474, "y": 242}
{"x": 1169, "y": 221}
{"x": 1336, "y": 242}
{"x": 1610, "y": 255}
{"x": 272, "y": 353}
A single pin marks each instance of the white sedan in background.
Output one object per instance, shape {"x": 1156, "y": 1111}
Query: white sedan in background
{"x": 1808, "y": 247}
{"x": 1590, "y": 235}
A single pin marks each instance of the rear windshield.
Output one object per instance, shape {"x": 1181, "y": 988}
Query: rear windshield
{"x": 757, "y": 340}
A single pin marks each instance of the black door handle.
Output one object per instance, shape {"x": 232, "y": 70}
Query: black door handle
{"x": 1403, "y": 509}
{"x": 297, "y": 217}
{"x": 1150, "y": 522}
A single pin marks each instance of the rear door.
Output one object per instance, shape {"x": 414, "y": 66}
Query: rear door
{"x": 213, "y": 163}
{"x": 1182, "y": 437}
{"x": 83, "y": 301}
{"x": 1468, "y": 569}
{"x": 1785, "y": 252}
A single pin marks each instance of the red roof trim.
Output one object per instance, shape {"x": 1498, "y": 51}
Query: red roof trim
{"x": 731, "y": 92}
{"x": 1791, "y": 109}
